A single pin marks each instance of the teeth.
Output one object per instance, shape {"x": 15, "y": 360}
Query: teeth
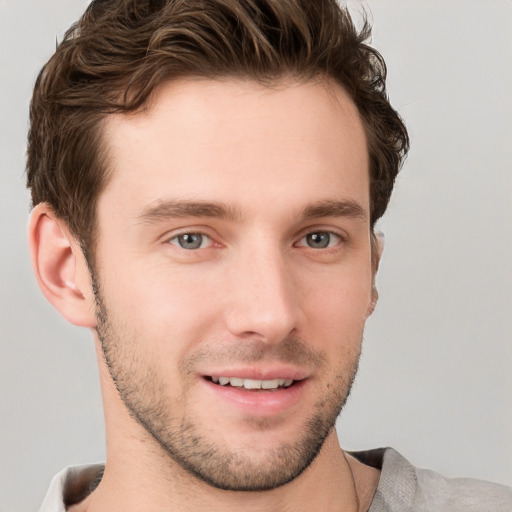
{"x": 270, "y": 384}
{"x": 253, "y": 383}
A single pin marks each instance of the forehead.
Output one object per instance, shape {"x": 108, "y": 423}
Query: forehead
{"x": 236, "y": 141}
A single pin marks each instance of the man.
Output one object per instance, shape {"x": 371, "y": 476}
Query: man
{"x": 206, "y": 178}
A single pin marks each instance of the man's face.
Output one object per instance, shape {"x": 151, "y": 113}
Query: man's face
{"x": 234, "y": 272}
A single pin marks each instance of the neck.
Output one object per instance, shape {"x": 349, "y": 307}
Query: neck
{"x": 329, "y": 484}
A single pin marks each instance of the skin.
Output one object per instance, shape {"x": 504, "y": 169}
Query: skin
{"x": 256, "y": 296}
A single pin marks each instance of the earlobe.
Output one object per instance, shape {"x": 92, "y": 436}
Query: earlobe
{"x": 60, "y": 267}
{"x": 373, "y": 301}
{"x": 377, "y": 242}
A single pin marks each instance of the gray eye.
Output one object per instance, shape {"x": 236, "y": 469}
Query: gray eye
{"x": 189, "y": 240}
{"x": 318, "y": 240}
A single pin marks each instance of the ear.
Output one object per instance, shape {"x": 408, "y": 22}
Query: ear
{"x": 60, "y": 267}
{"x": 377, "y": 243}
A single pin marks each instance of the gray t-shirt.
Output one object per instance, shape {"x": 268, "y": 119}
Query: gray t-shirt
{"x": 402, "y": 488}
{"x": 405, "y": 488}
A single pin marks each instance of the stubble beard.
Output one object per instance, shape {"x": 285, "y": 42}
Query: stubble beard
{"x": 221, "y": 466}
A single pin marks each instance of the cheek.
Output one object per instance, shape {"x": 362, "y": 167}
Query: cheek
{"x": 162, "y": 306}
{"x": 337, "y": 304}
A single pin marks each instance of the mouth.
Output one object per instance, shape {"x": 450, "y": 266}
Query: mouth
{"x": 252, "y": 384}
{"x": 256, "y": 393}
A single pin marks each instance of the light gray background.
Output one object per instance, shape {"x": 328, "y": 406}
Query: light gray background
{"x": 435, "y": 379}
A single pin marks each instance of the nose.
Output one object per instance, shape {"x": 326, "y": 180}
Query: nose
{"x": 265, "y": 300}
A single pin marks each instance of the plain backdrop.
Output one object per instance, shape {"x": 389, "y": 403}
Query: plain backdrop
{"x": 435, "y": 379}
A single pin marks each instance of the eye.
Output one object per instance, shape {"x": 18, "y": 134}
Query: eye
{"x": 191, "y": 241}
{"x": 320, "y": 240}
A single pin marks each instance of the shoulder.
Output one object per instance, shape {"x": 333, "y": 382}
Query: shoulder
{"x": 70, "y": 486}
{"x": 461, "y": 494}
{"x": 404, "y": 487}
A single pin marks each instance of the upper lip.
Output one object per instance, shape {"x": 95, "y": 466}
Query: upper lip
{"x": 267, "y": 373}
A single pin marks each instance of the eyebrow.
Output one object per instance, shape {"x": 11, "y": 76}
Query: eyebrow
{"x": 162, "y": 210}
{"x": 182, "y": 208}
{"x": 334, "y": 208}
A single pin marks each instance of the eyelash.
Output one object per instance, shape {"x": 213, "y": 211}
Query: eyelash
{"x": 175, "y": 240}
{"x": 191, "y": 234}
{"x": 331, "y": 234}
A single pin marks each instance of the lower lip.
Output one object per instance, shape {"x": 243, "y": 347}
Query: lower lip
{"x": 259, "y": 403}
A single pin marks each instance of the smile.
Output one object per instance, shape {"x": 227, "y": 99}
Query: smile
{"x": 251, "y": 384}
{"x": 269, "y": 394}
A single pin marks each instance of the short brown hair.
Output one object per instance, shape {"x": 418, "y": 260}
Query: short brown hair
{"x": 115, "y": 56}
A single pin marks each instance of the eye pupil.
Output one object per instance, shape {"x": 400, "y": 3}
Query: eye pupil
{"x": 190, "y": 240}
{"x": 319, "y": 240}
